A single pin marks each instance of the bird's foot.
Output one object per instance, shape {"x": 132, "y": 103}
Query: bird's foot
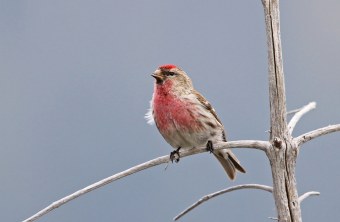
{"x": 174, "y": 155}
{"x": 210, "y": 146}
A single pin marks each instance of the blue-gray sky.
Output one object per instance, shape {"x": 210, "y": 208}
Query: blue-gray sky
{"x": 75, "y": 84}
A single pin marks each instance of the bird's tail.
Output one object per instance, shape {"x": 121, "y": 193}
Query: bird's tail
{"x": 229, "y": 162}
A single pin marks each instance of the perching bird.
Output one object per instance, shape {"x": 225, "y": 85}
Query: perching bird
{"x": 186, "y": 119}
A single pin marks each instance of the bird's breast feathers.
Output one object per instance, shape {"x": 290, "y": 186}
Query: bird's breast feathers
{"x": 183, "y": 121}
{"x": 171, "y": 112}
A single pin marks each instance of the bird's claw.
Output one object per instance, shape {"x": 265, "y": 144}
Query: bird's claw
{"x": 210, "y": 146}
{"x": 174, "y": 155}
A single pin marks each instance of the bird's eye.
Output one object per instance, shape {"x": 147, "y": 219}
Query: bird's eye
{"x": 168, "y": 73}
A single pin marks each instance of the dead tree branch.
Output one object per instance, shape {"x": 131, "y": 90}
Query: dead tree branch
{"x": 299, "y": 114}
{"x": 256, "y": 144}
{"x": 308, "y": 194}
{"x": 316, "y": 133}
{"x": 215, "y": 194}
{"x": 283, "y": 153}
{"x": 239, "y": 187}
{"x": 293, "y": 111}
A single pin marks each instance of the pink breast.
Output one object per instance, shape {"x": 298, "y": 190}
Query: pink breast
{"x": 173, "y": 113}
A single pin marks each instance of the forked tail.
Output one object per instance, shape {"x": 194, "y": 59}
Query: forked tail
{"x": 229, "y": 162}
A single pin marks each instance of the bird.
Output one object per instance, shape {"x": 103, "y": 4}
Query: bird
{"x": 186, "y": 119}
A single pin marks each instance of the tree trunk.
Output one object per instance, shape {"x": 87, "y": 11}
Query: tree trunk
{"x": 283, "y": 152}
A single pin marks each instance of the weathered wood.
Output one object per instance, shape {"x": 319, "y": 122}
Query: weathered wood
{"x": 283, "y": 152}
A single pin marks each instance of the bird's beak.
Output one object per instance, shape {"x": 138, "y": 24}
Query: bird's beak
{"x": 158, "y": 77}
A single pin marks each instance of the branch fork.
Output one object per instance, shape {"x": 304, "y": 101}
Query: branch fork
{"x": 252, "y": 144}
{"x": 234, "y": 188}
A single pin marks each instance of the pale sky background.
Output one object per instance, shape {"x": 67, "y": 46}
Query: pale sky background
{"x": 75, "y": 85}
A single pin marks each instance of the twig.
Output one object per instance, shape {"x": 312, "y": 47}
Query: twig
{"x": 288, "y": 113}
{"x": 299, "y": 114}
{"x": 308, "y": 194}
{"x": 316, "y": 133}
{"x": 261, "y": 145}
{"x": 212, "y": 195}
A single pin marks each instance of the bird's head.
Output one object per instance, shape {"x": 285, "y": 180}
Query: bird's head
{"x": 172, "y": 76}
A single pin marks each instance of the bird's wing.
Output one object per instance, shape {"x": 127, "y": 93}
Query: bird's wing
{"x": 207, "y": 105}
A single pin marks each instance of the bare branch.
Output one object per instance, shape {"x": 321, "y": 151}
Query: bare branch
{"x": 212, "y": 195}
{"x": 316, "y": 133}
{"x": 261, "y": 145}
{"x": 308, "y": 194}
{"x": 254, "y": 144}
{"x": 293, "y": 111}
{"x": 98, "y": 184}
{"x": 299, "y": 114}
